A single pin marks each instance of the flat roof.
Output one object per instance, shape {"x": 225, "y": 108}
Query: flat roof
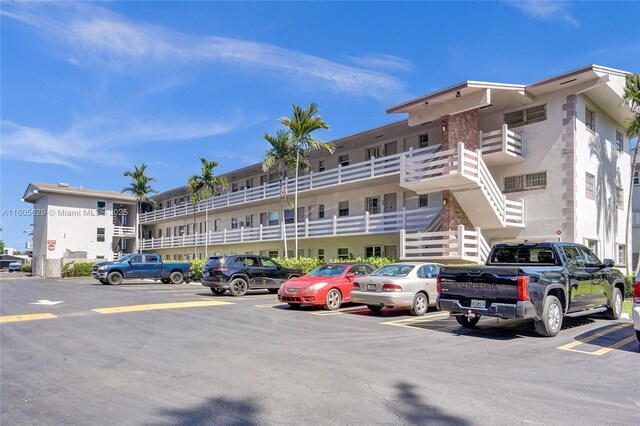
{"x": 35, "y": 189}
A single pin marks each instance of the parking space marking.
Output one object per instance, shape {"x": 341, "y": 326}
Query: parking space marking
{"x": 406, "y": 322}
{"x": 352, "y": 309}
{"x": 570, "y": 346}
{"x": 25, "y": 317}
{"x": 155, "y": 306}
{"x": 270, "y": 305}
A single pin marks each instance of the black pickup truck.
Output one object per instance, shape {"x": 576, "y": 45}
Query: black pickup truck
{"x": 544, "y": 282}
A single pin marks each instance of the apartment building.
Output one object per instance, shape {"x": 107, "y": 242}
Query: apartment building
{"x": 78, "y": 224}
{"x": 467, "y": 166}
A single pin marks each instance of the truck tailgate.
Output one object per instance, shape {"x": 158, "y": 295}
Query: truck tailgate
{"x": 486, "y": 282}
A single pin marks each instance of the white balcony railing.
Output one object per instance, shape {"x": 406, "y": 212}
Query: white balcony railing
{"x": 379, "y": 223}
{"x": 124, "y": 231}
{"x": 458, "y": 244}
{"x": 375, "y": 167}
{"x": 501, "y": 140}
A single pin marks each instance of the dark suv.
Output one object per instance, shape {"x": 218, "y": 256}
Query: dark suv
{"x": 241, "y": 272}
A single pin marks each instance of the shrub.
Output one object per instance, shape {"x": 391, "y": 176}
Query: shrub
{"x": 196, "y": 269}
{"x": 306, "y": 264}
{"x": 26, "y": 267}
{"x": 628, "y": 285}
{"x": 81, "y": 269}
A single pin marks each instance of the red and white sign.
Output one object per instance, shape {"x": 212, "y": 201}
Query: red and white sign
{"x": 558, "y": 231}
{"x": 51, "y": 245}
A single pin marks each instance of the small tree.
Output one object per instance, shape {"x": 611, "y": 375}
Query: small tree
{"x": 203, "y": 186}
{"x": 301, "y": 124}
{"x": 140, "y": 187}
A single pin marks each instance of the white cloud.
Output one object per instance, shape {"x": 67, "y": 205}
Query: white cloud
{"x": 95, "y": 140}
{"x": 382, "y": 61}
{"x": 546, "y": 10}
{"x": 98, "y": 36}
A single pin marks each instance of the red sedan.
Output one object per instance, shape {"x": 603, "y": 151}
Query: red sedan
{"x": 328, "y": 285}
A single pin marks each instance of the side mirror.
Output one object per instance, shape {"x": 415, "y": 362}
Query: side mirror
{"x": 129, "y": 261}
{"x": 350, "y": 277}
{"x": 608, "y": 263}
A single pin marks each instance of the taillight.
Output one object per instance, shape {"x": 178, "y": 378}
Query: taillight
{"x": 523, "y": 291}
{"x": 438, "y": 284}
{"x": 356, "y": 286}
{"x": 636, "y": 292}
{"x": 391, "y": 287}
{"x": 190, "y": 266}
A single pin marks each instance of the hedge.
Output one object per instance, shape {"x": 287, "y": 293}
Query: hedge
{"x": 26, "y": 267}
{"x": 81, "y": 269}
{"x": 196, "y": 269}
{"x": 628, "y": 284}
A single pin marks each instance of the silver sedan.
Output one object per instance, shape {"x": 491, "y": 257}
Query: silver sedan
{"x": 398, "y": 285}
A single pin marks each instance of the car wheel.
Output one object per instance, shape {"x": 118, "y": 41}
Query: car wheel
{"x": 165, "y": 281}
{"x": 551, "y": 321}
{"x": 176, "y": 277}
{"x": 217, "y": 290}
{"x": 638, "y": 335}
{"x": 114, "y": 278}
{"x": 273, "y": 290}
{"x": 333, "y": 300}
{"x": 615, "y": 310}
{"x": 467, "y": 322}
{"x": 374, "y": 308}
{"x": 238, "y": 287}
{"x": 420, "y": 305}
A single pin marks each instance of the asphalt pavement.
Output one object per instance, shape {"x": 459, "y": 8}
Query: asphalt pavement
{"x": 77, "y": 352}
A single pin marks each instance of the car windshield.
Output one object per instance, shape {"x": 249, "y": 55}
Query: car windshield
{"x": 124, "y": 258}
{"x": 517, "y": 255}
{"x": 393, "y": 271}
{"x": 327, "y": 271}
{"x": 213, "y": 262}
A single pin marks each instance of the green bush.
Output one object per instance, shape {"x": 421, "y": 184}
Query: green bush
{"x": 81, "y": 269}
{"x": 26, "y": 267}
{"x": 628, "y": 285}
{"x": 196, "y": 269}
{"x": 306, "y": 264}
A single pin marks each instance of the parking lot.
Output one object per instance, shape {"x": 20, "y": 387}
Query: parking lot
{"x": 78, "y": 352}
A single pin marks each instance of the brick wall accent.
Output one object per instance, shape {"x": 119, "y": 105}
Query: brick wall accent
{"x": 453, "y": 214}
{"x": 569, "y": 169}
{"x": 456, "y": 128}
{"x": 461, "y": 127}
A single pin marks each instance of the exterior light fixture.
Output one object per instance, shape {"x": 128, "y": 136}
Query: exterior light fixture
{"x": 458, "y": 94}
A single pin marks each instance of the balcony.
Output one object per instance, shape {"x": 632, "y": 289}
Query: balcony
{"x": 380, "y": 223}
{"x": 124, "y": 231}
{"x": 465, "y": 174}
{"x": 458, "y": 245}
{"x": 501, "y": 146}
{"x": 373, "y": 168}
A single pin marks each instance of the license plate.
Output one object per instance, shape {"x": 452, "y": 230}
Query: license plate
{"x": 371, "y": 287}
{"x": 475, "y": 303}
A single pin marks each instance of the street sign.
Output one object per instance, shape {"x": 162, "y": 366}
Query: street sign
{"x": 51, "y": 245}
{"x": 558, "y": 231}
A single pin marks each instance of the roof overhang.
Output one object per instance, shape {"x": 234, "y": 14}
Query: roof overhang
{"x": 35, "y": 192}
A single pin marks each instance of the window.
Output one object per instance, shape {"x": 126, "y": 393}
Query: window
{"x": 248, "y": 221}
{"x": 590, "y": 259}
{"x": 372, "y": 152}
{"x": 320, "y": 211}
{"x": 343, "y": 160}
{"x": 100, "y": 236}
{"x": 101, "y": 207}
{"x": 168, "y": 203}
{"x": 636, "y": 178}
{"x": 234, "y": 187}
{"x": 590, "y": 181}
{"x": 423, "y": 200}
{"x": 217, "y": 224}
{"x": 321, "y": 254}
{"x": 343, "y": 208}
{"x": 272, "y": 253}
{"x": 160, "y": 206}
{"x": 343, "y": 253}
{"x": 592, "y": 245}
{"x": 620, "y": 198}
{"x": 168, "y": 232}
{"x": 375, "y": 251}
{"x": 273, "y": 219}
{"x": 264, "y": 179}
{"x": 234, "y": 223}
{"x": 181, "y": 200}
{"x": 525, "y": 182}
{"x": 151, "y": 258}
{"x": 636, "y": 218}
{"x": 423, "y": 141}
{"x": 372, "y": 205}
{"x": 360, "y": 270}
{"x": 273, "y": 177}
{"x": 99, "y": 257}
{"x": 321, "y": 165}
{"x": 248, "y": 183}
{"x": 288, "y": 216}
{"x": 160, "y": 233}
{"x": 300, "y": 214}
{"x": 590, "y": 119}
{"x": 620, "y": 140}
{"x": 526, "y": 116}
{"x": 181, "y": 230}
{"x": 622, "y": 254}
{"x": 136, "y": 259}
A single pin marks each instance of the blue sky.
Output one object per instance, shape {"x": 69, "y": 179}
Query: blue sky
{"x": 90, "y": 89}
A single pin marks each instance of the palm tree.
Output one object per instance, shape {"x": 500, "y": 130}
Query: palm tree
{"x": 301, "y": 124}
{"x": 202, "y": 186}
{"x": 140, "y": 187}
{"x": 631, "y": 97}
{"x": 282, "y": 156}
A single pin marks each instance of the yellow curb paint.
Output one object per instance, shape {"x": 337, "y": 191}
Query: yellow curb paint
{"x": 570, "y": 346}
{"x": 155, "y": 306}
{"x": 25, "y": 317}
{"x": 615, "y": 346}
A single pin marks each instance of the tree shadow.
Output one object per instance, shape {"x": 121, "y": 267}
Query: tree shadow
{"x": 222, "y": 411}
{"x": 611, "y": 335}
{"x": 416, "y": 411}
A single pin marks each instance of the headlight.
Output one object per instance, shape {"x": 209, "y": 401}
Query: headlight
{"x": 102, "y": 268}
{"x": 315, "y": 287}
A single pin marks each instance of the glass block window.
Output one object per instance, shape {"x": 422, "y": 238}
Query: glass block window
{"x": 590, "y": 185}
